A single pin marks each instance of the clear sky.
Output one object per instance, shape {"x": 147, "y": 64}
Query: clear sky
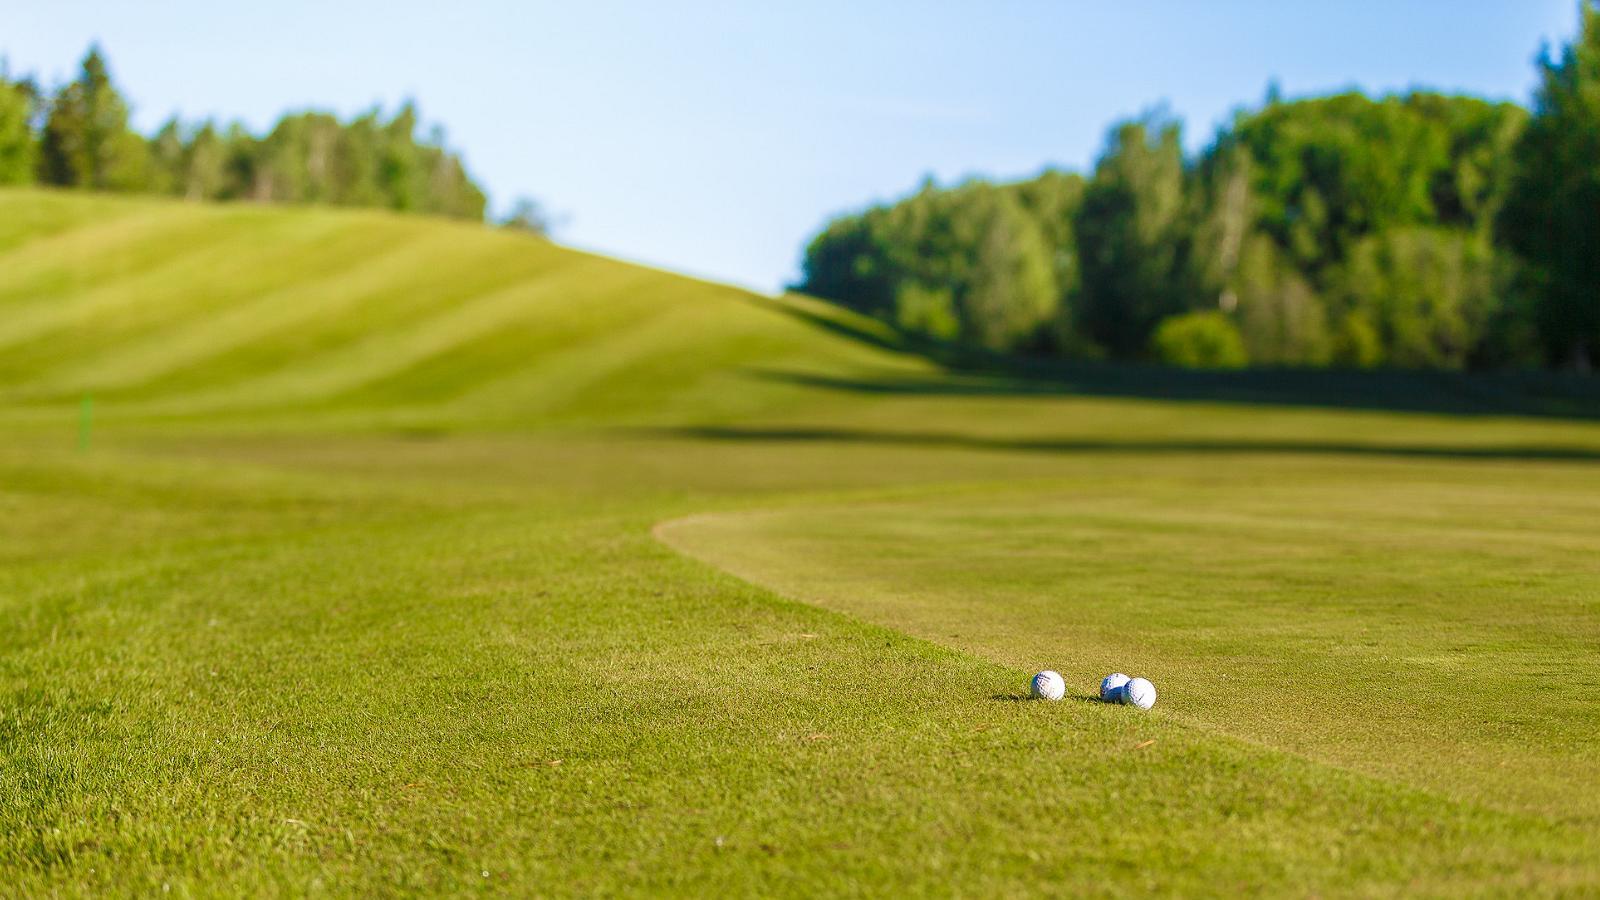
{"x": 714, "y": 138}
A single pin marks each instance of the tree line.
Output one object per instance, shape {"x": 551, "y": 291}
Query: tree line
{"x": 78, "y": 136}
{"x": 1419, "y": 230}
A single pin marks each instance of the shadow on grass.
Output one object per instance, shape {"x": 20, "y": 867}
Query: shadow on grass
{"x": 974, "y": 372}
{"x": 1120, "y": 446}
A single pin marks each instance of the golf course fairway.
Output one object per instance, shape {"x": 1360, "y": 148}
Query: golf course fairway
{"x": 344, "y": 553}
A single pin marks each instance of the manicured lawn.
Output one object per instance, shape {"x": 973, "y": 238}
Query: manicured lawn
{"x": 407, "y": 556}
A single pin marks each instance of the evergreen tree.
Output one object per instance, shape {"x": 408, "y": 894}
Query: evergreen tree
{"x": 86, "y": 140}
{"x": 402, "y": 164}
{"x": 1552, "y": 217}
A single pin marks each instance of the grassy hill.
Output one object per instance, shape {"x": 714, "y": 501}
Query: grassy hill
{"x": 165, "y": 309}
{"x": 408, "y": 555}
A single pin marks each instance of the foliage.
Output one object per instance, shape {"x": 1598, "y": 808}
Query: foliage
{"x": 1427, "y": 293}
{"x": 1199, "y": 340}
{"x": 18, "y": 149}
{"x": 313, "y": 157}
{"x": 308, "y": 157}
{"x": 1282, "y": 319}
{"x": 528, "y": 216}
{"x": 971, "y": 261}
{"x": 1132, "y": 236}
{"x": 1553, "y": 216}
{"x": 1326, "y": 172}
{"x": 1010, "y": 290}
{"x": 1419, "y": 230}
{"x": 86, "y": 141}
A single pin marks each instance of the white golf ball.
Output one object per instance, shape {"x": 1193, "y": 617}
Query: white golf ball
{"x": 1048, "y": 685}
{"x": 1111, "y": 685}
{"x": 1139, "y": 692}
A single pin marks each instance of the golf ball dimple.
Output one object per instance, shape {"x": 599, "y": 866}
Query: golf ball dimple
{"x": 1111, "y": 685}
{"x": 1139, "y": 692}
{"x": 1048, "y": 685}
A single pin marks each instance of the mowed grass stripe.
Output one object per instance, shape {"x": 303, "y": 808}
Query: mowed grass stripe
{"x": 85, "y": 347}
{"x": 205, "y": 344}
{"x": 526, "y": 346}
{"x": 611, "y": 373}
{"x": 195, "y": 337}
{"x": 696, "y": 353}
{"x": 80, "y": 250}
{"x": 216, "y": 265}
{"x": 79, "y": 264}
{"x": 381, "y": 351}
{"x": 42, "y": 216}
{"x": 438, "y": 274}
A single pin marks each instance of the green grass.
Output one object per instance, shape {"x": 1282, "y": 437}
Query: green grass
{"x": 413, "y": 557}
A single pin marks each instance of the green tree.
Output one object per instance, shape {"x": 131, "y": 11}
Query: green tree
{"x": 16, "y": 139}
{"x": 1011, "y": 292}
{"x": 1227, "y": 218}
{"x": 926, "y": 310}
{"x": 1281, "y": 318}
{"x": 307, "y": 157}
{"x": 846, "y": 263}
{"x": 1427, "y": 292}
{"x": 402, "y": 165}
{"x": 451, "y": 190}
{"x": 1356, "y": 343}
{"x": 205, "y": 166}
{"x": 86, "y": 140}
{"x": 1199, "y": 340}
{"x": 167, "y": 152}
{"x": 1341, "y": 229}
{"x": 1052, "y": 201}
{"x": 527, "y": 216}
{"x": 18, "y": 148}
{"x": 1132, "y": 235}
{"x": 354, "y": 177}
{"x": 1327, "y": 171}
{"x": 1552, "y": 218}
{"x": 970, "y": 262}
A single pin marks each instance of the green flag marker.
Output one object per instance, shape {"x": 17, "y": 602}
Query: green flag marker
{"x": 85, "y": 421}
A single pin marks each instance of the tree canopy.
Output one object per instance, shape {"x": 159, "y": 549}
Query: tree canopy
{"x": 1553, "y": 213}
{"x": 79, "y": 137}
{"x": 1418, "y": 230}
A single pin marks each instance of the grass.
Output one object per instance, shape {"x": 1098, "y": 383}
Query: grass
{"x": 413, "y": 557}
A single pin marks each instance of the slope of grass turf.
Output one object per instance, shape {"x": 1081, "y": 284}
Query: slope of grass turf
{"x": 357, "y": 592}
{"x": 248, "y": 313}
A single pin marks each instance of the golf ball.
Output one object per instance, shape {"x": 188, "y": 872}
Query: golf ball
{"x": 1048, "y": 685}
{"x": 1139, "y": 692}
{"x": 1110, "y": 687}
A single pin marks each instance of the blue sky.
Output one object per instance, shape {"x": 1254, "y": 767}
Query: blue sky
{"x": 714, "y": 138}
